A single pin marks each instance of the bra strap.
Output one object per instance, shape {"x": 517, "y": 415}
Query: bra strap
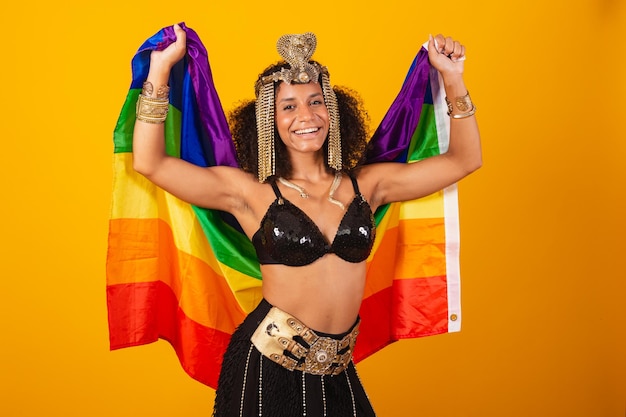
{"x": 276, "y": 190}
{"x": 355, "y": 185}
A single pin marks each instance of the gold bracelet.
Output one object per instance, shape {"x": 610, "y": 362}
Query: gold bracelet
{"x": 464, "y": 115}
{"x": 464, "y": 104}
{"x": 152, "y": 110}
{"x": 147, "y": 89}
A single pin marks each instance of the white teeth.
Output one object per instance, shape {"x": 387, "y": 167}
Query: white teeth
{"x": 304, "y": 131}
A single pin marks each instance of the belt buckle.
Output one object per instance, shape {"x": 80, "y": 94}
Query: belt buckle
{"x": 321, "y": 356}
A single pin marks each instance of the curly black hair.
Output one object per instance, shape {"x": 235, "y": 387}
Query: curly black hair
{"x": 353, "y": 123}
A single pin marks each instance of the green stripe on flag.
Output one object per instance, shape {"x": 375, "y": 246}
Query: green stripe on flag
{"x": 231, "y": 247}
{"x": 123, "y": 134}
{"x": 426, "y": 131}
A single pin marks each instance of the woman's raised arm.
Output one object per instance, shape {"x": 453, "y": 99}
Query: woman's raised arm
{"x": 213, "y": 187}
{"x": 400, "y": 182}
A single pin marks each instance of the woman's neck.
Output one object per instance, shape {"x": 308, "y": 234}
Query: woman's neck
{"x": 310, "y": 168}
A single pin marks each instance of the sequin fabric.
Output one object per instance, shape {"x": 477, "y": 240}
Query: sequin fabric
{"x": 289, "y": 237}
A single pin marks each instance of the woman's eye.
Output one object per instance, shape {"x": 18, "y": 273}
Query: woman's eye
{"x": 316, "y": 102}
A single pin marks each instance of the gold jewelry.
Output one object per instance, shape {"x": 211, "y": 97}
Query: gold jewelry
{"x": 334, "y": 134}
{"x": 464, "y": 115}
{"x": 280, "y": 332}
{"x": 264, "y": 108}
{"x": 331, "y": 191}
{"x": 293, "y": 186}
{"x": 464, "y": 104}
{"x": 297, "y": 50}
{"x": 152, "y": 109}
{"x": 333, "y": 188}
{"x": 147, "y": 89}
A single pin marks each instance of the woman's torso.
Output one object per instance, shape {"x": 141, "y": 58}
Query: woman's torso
{"x": 325, "y": 294}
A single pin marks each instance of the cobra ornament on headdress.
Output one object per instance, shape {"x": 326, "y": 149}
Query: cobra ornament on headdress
{"x": 297, "y": 50}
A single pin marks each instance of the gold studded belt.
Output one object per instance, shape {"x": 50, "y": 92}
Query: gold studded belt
{"x": 319, "y": 355}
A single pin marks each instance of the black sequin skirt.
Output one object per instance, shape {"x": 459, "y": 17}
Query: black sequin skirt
{"x": 252, "y": 385}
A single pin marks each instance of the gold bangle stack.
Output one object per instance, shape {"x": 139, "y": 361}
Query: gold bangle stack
{"x": 464, "y": 104}
{"x": 152, "y": 109}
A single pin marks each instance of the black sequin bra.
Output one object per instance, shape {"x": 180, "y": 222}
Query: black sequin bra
{"x": 289, "y": 237}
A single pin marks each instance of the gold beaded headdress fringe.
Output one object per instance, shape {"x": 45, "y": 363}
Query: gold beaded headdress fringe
{"x": 334, "y": 136}
{"x": 297, "y": 50}
{"x": 265, "y": 132}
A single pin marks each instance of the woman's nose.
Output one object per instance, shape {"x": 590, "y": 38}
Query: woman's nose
{"x": 304, "y": 113}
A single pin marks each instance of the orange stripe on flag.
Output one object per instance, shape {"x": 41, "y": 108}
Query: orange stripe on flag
{"x": 135, "y": 254}
{"x": 422, "y": 253}
{"x": 382, "y": 260}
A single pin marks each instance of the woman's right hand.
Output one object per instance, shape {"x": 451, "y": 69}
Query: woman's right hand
{"x": 164, "y": 60}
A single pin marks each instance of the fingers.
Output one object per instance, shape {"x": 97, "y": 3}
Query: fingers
{"x": 449, "y": 47}
{"x": 173, "y": 53}
{"x": 181, "y": 36}
{"x": 433, "y": 46}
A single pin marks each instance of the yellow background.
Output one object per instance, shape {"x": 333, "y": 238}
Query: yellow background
{"x": 542, "y": 224}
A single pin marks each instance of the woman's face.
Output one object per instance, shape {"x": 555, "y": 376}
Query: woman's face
{"x": 301, "y": 116}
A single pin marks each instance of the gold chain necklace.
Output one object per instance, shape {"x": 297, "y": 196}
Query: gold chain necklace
{"x": 304, "y": 194}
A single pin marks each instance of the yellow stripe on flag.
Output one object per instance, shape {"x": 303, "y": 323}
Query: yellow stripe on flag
{"x": 430, "y": 206}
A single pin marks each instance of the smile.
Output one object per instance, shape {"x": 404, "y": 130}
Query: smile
{"x": 305, "y": 131}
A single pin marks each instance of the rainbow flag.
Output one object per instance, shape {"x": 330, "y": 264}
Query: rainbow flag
{"x": 189, "y": 275}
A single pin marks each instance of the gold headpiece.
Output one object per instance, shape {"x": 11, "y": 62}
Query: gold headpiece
{"x": 297, "y": 50}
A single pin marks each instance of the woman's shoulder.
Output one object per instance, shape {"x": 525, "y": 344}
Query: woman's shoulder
{"x": 372, "y": 177}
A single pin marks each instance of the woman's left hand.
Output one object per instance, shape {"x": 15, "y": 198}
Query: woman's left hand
{"x": 169, "y": 56}
{"x": 446, "y": 55}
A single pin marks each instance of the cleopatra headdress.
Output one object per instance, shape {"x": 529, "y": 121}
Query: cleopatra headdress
{"x": 297, "y": 51}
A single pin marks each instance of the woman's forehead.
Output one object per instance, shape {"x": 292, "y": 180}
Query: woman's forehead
{"x": 294, "y": 90}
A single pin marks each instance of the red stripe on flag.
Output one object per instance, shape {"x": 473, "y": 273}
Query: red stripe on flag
{"x": 375, "y": 329}
{"x": 142, "y": 313}
{"x": 421, "y": 305}
{"x": 409, "y": 308}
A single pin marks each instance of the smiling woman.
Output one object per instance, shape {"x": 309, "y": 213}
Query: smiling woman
{"x": 312, "y": 231}
{"x": 301, "y": 117}
{"x": 353, "y": 127}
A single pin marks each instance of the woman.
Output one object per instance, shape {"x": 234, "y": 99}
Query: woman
{"x": 309, "y": 216}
